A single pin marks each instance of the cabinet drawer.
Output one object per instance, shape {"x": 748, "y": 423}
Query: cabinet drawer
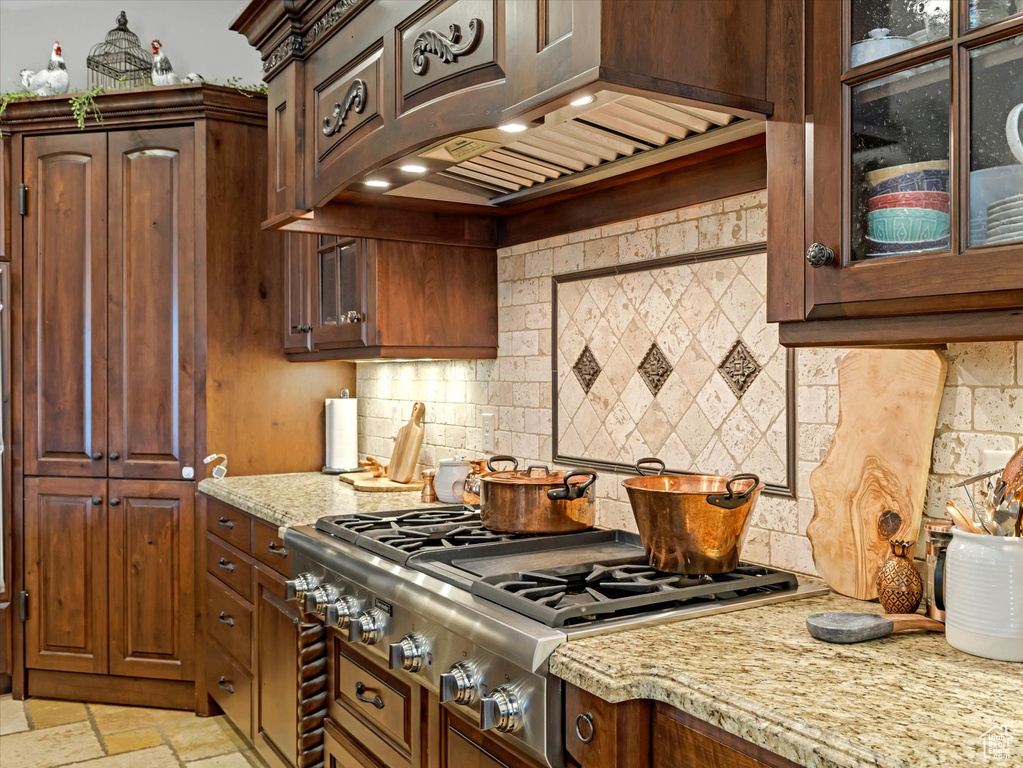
{"x": 228, "y": 523}
{"x": 268, "y": 548}
{"x": 375, "y": 707}
{"x": 599, "y": 734}
{"x": 229, "y": 565}
{"x": 229, "y": 621}
{"x": 231, "y": 687}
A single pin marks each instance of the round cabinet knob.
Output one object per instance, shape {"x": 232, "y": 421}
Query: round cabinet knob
{"x": 96, "y": 456}
{"x": 341, "y": 612}
{"x": 819, "y": 255}
{"x": 96, "y": 501}
{"x": 501, "y": 710}
{"x": 368, "y": 628}
{"x": 460, "y": 685}
{"x": 296, "y": 588}
{"x": 114, "y": 456}
{"x": 409, "y": 653}
{"x": 316, "y": 600}
{"x": 114, "y": 501}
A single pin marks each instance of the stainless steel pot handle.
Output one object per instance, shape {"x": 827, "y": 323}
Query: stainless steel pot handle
{"x": 572, "y": 492}
{"x": 492, "y": 459}
{"x": 654, "y": 462}
{"x": 731, "y": 499}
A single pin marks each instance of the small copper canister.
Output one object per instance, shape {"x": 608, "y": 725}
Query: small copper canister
{"x": 939, "y": 536}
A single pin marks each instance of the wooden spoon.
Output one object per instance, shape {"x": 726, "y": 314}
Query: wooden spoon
{"x": 962, "y": 522}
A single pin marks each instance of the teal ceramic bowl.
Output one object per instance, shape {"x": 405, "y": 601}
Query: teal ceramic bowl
{"x": 907, "y": 225}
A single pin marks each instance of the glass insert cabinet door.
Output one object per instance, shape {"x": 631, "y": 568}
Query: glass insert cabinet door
{"x": 339, "y": 292}
{"x": 916, "y": 186}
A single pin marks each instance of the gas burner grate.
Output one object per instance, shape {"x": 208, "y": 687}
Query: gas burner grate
{"x": 407, "y": 539}
{"x": 565, "y": 596}
{"x": 350, "y": 527}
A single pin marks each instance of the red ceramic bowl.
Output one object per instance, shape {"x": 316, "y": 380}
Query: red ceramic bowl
{"x": 935, "y": 201}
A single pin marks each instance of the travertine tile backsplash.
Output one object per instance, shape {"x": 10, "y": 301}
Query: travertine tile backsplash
{"x": 982, "y": 407}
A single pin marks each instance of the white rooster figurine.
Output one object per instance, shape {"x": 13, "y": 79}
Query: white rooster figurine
{"x": 46, "y": 82}
{"x": 163, "y": 72}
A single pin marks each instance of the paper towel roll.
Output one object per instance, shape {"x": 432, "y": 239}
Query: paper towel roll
{"x": 342, "y": 434}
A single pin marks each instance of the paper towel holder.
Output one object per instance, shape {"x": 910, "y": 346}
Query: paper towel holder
{"x": 343, "y": 395}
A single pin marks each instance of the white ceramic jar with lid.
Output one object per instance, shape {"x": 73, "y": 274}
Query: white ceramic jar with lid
{"x": 984, "y": 595}
{"x": 449, "y": 481}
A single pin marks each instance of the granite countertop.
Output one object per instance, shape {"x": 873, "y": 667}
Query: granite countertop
{"x": 303, "y": 498}
{"x": 907, "y": 701}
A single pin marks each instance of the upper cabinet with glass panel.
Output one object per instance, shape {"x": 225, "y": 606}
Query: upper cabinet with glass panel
{"x": 882, "y": 28}
{"x": 913, "y": 185}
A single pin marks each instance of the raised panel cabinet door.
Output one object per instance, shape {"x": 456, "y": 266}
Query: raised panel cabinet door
{"x": 152, "y": 303}
{"x": 275, "y": 704}
{"x": 66, "y": 574}
{"x": 65, "y": 309}
{"x": 298, "y": 274}
{"x": 152, "y": 578}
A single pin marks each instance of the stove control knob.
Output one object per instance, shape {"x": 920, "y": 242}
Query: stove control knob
{"x": 459, "y": 685}
{"x": 368, "y": 628}
{"x": 409, "y": 653}
{"x": 341, "y": 612}
{"x": 316, "y": 601}
{"x": 501, "y": 710}
{"x": 296, "y": 588}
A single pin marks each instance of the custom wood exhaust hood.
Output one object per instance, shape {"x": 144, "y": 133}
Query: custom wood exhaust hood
{"x": 484, "y": 109}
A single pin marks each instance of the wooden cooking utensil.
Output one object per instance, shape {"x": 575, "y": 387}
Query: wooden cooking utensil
{"x": 961, "y": 519}
{"x": 1012, "y": 475}
{"x": 859, "y": 627}
{"x": 407, "y": 443}
{"x": 878, "y": 462}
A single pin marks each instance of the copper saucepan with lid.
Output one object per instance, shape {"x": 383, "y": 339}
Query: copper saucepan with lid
{"x": 538, "y": 500}
{"x": 689, "y": 523}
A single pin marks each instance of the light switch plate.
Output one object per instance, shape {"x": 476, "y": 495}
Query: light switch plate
{"x": 992, "y": 460}
{"x": 488, "y": 432}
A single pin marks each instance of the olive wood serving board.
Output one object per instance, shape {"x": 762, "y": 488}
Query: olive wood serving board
{"x": 365, "y": 481}
{"x": 409, "y": 440}
{"x": 878, "y": 461}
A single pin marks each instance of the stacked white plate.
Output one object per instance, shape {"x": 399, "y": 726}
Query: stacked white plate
{"x": 1005, "y": 220}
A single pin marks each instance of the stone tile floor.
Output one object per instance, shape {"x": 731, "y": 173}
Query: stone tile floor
{"x": 43, "y": 733}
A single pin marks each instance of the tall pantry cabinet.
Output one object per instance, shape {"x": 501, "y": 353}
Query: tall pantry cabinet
{"x": 149, "y": 328}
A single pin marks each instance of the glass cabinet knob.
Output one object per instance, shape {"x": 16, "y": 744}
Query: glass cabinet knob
{"x": 819, "y": 255}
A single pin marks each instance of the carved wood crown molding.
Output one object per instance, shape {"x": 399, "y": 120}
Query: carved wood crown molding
{"x": 447, "y": 49}
{"x": 297, "y": 43}
{"x": 355, "y": 98}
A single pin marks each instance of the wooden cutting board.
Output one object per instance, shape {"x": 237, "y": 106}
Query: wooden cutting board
{"x": 364, "y": 481}
{"x": 878, "y": 460}
{"x": 409, "y": 440}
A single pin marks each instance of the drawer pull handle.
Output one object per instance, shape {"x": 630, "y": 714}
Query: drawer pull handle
{"x": 223, "y": 563}
{"x": 226, "y": 523}
{"x": 225, "y": 685}
{"x": 584, "y": 729}
{"x": 376, "y": 701}
{"x": 223, "y": 618}
{"x": 273, "y": 549}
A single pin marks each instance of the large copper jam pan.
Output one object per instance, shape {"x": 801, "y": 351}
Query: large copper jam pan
{"x": 693, "y": 524}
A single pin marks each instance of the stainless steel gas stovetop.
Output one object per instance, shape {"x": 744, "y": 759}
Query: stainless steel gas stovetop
{"x": 475, "y": 615}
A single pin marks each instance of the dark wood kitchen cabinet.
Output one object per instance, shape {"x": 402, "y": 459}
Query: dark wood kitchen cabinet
{"x": 109, "y": 584}
{"x": 149, "y": 304}
{"x": 369, "y": 298}
{"x": 260, "y": 662}
{"x": 890, "y": 231}
{"x": 652, "y": 734}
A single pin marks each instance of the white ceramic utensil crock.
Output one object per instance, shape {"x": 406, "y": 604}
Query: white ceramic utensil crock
{"x": 984, "y": 595}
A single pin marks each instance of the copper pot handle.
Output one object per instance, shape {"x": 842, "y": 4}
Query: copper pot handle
{"x": 492, "y": 459}
{"x": 731, "y": 499}
{"x": 572, "y": 492}
{"x": 653, "y": 461}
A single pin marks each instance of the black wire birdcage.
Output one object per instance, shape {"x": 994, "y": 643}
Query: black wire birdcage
{"x": 119, "y": 61}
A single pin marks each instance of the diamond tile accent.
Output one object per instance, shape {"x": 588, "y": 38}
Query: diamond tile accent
{"x": 586, "y": 369}
{"x": 739, "y": 368}
{"x": 654, "y": 368}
